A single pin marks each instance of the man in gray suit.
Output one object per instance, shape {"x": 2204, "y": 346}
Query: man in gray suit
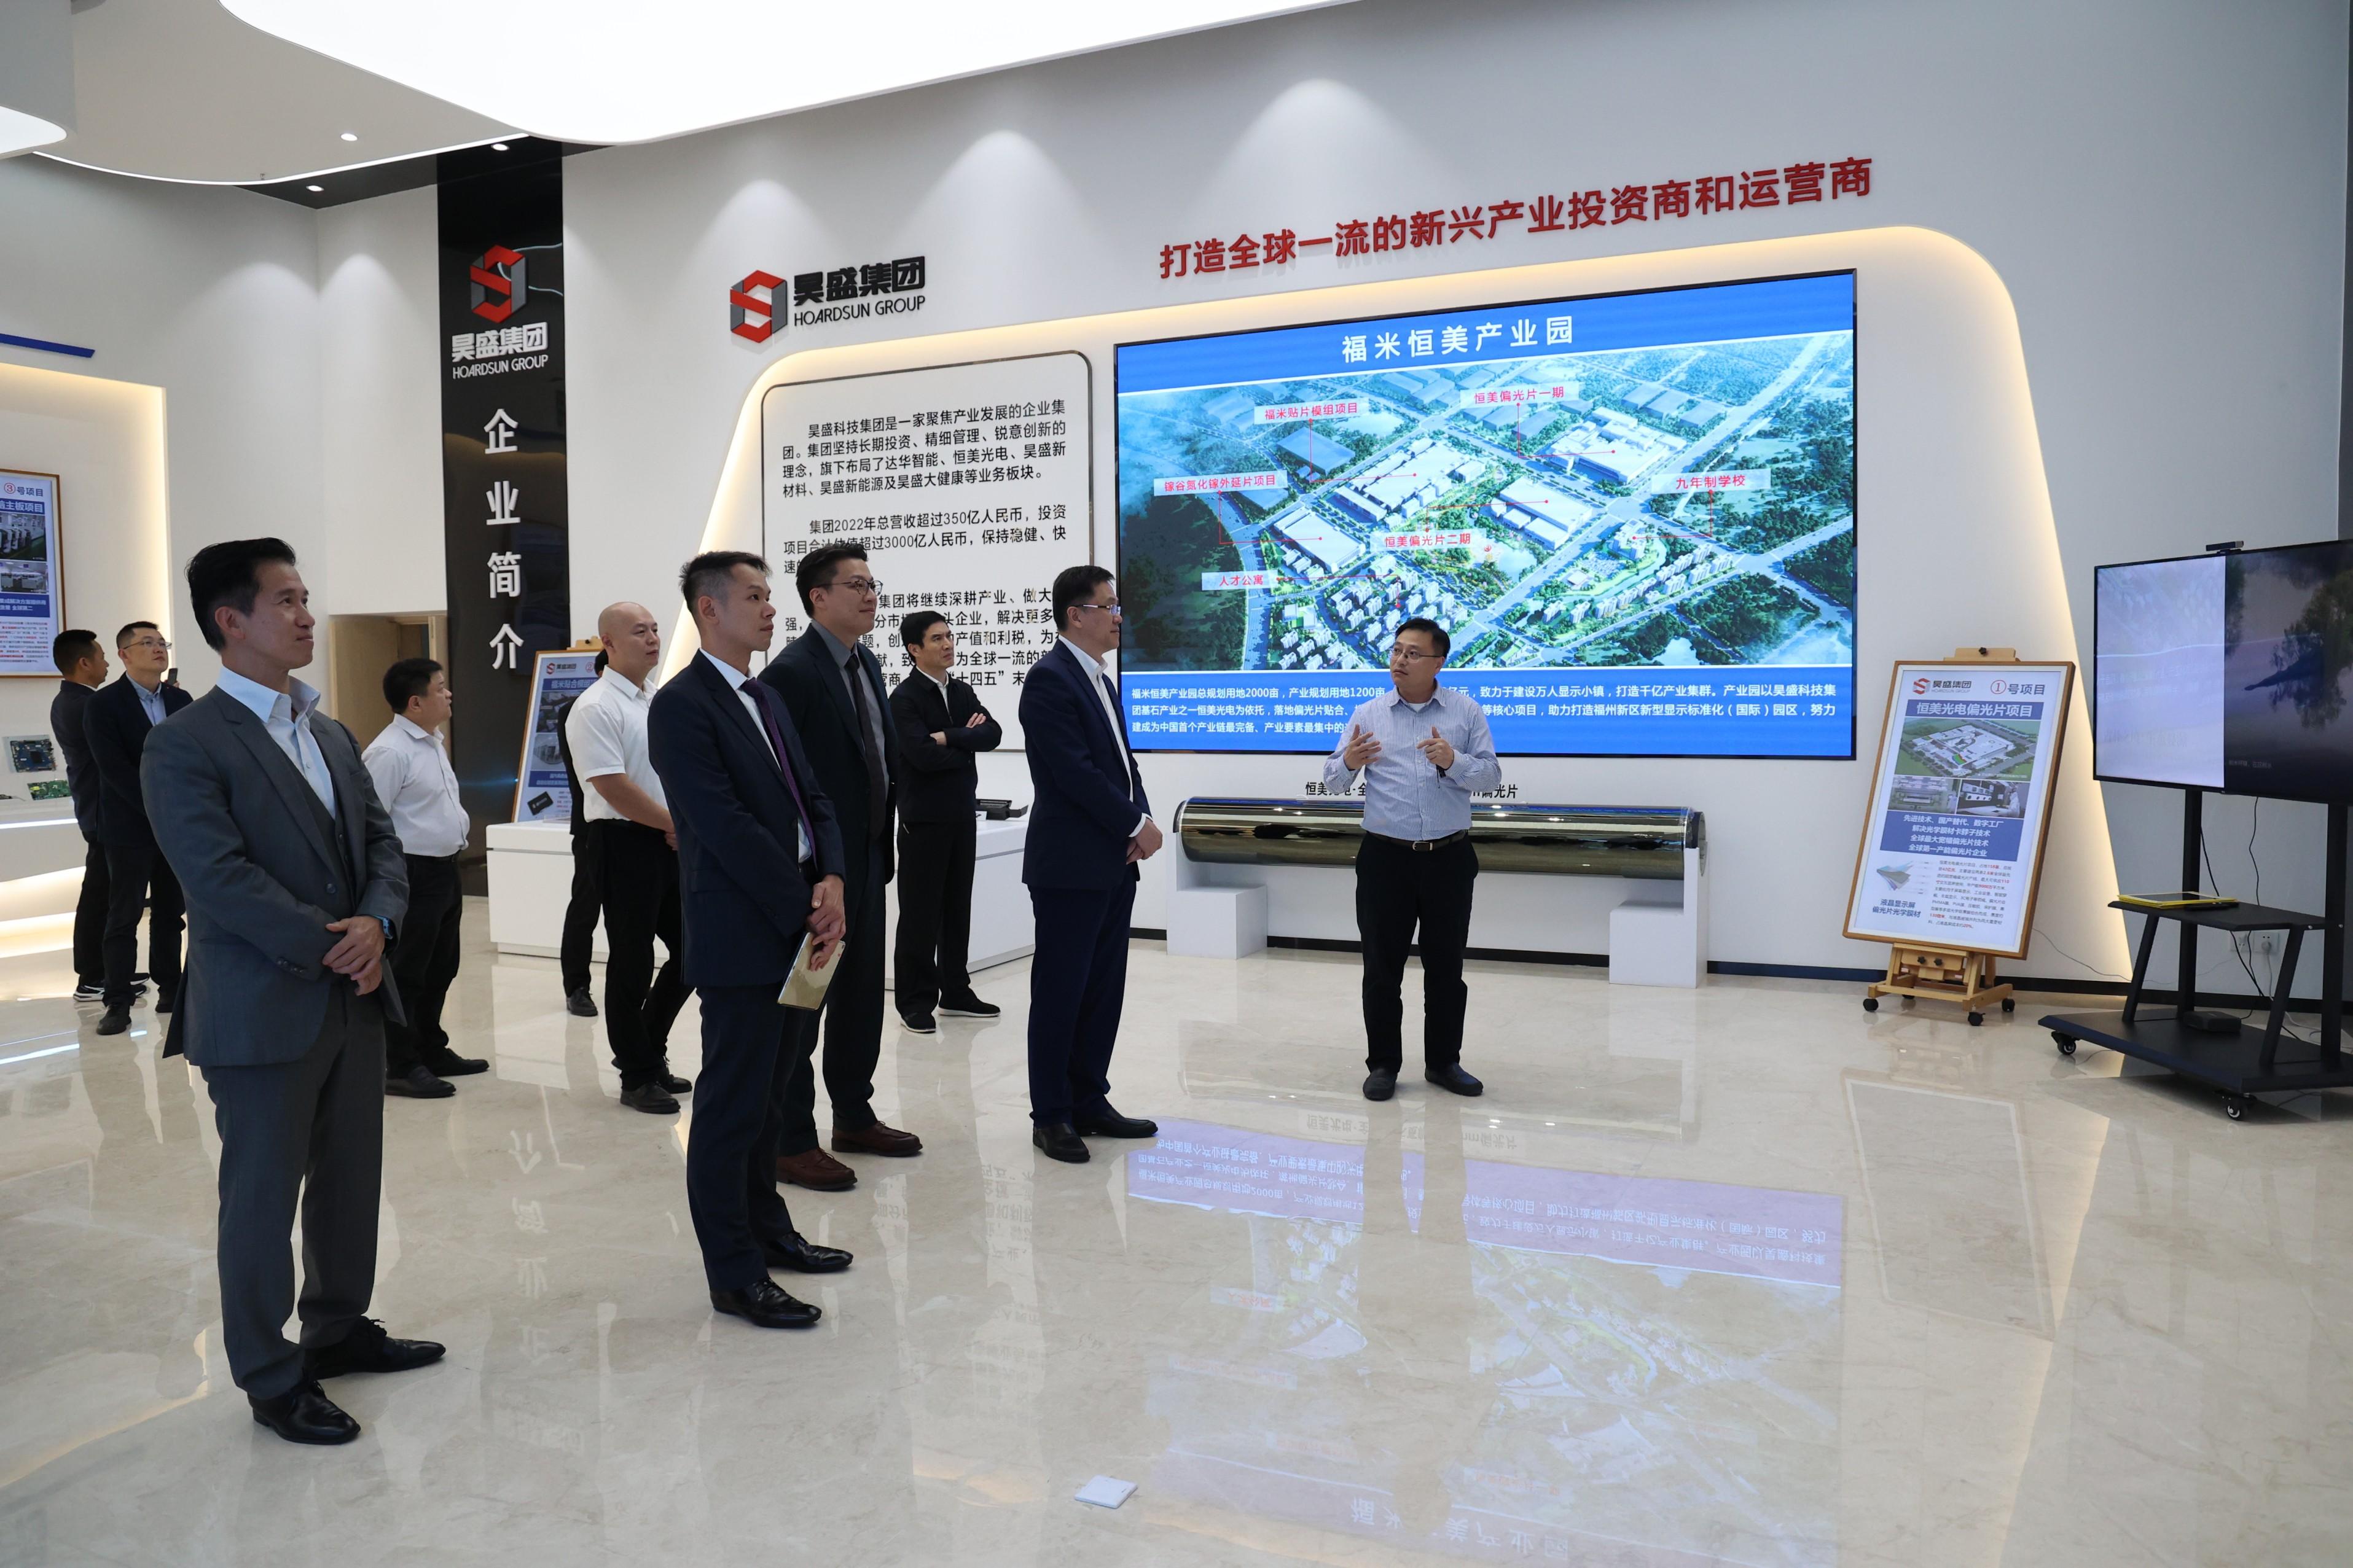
{"x": 295, "y": 885}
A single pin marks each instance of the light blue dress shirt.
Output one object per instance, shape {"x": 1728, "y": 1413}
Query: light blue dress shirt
{"x": 1404, "y": 795}
{"x": 287, "y": 716}
{"x": 153, "y": 701}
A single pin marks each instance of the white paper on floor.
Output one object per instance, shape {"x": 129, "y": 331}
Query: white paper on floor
{"x": 1105, "y": 1492}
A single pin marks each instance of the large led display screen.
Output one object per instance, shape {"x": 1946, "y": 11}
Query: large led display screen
{"x": 2227, "y": 672}
{"x": 1633, "y": 513}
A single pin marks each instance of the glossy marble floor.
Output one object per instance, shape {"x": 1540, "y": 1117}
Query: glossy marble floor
{"x": 1739, "y": 1276}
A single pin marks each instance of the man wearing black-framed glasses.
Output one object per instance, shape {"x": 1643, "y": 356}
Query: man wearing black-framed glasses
{"x": 831, "y": 684}
{"x": 139, "y": 880}
{"x": 1091, "y": 825}
{"x": 1423, "y": 752}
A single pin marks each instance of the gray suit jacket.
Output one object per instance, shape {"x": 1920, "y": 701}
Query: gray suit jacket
{"x": 242, "y": 830}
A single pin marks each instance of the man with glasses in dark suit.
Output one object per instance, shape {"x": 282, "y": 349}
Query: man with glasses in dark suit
{"x": 832, "y": 683}
{"x": 1090, "y": 826}
{"x": 118, "y": 720}
{"x": 942, "y": 726}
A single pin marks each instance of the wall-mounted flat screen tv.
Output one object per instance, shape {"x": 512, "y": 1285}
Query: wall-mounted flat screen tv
{"x": 1632, "y": 513}
{"x": 2227, "y": 672}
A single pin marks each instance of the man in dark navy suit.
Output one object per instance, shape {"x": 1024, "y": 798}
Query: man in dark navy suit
{"x": 760, "y": 872}
{"x": 116, "y": 720}
{"x": 1090, "y": 826}
{"x": 81, "y": 669}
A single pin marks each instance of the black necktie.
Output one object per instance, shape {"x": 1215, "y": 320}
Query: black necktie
{"x": 878, "y": 772}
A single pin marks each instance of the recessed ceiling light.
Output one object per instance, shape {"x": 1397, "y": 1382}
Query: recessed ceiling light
{"x": 314, "y": 187}
{"x": 498, "y": 146}
{"x": 351, "y": 136}
{"x": 559, "y": 86}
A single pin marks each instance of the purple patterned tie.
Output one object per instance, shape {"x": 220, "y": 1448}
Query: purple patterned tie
{"x": 761, "y": 696}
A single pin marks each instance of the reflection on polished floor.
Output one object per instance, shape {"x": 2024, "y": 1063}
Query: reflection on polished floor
{"x": 1741, "y": 1276}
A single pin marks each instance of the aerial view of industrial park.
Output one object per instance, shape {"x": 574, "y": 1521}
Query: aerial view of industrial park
{"x": 1688, "y": 505}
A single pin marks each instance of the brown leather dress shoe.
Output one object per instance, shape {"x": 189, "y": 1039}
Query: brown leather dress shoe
{"x": 876, "y": 1139}
{"x": 815, "y": 1170}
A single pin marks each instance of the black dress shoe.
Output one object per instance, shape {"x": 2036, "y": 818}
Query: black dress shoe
{"x": 672, "y": 1081}
{"x": 919, "y": 1023}
{"x": 764, "y": 1303}
{"x": 117, "y": 1019}
{"x": 167, "y": 1000}
{"x": 579, "y": 1004}
{"x": 651, "y": 1098}
{"x": 1060, "y": 1140}
{"x": 802, "y": 1255}
{"x": 450, "y": 1064}
{"x": 304, "y": 1414}
{"x": 1109, "y": 1123}
{"x": 1380, "y": 1083}
{"x": 419, "y": 1082}
{"x": 367, "y": 1348}
{"x": 1453, "y": 1080}
{"x": 970, "y": 1007}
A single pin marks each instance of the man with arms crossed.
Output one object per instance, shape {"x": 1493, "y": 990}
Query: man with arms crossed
{"x": 941, "y": 726}
{"x": 636, "y": 851}
{"x": 408, "y": 762}
{"x": 762, "y": 860}
{"x": 1090, "y": 826}
{"x": 832, "y": 685}
{"x": 295, "y": 886}
{"x": 81, "y": 668}
{"x": 118, "y": 722}
{"x": 1423, "y": 752}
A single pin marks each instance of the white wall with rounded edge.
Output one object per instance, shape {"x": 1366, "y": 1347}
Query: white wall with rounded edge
{"x": 380, "y": 410}
{"x": 104, "y": 441}
{"x": 210, "y": 295}
{"x": 2159, "y": 186}
{"x": 1939, "y": 360}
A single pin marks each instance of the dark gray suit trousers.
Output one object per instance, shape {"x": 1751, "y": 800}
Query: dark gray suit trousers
{"x": 319, "y": 1119}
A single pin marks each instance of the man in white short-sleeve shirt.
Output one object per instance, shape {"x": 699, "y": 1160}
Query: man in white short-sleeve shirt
{"x": 622, "y": 804}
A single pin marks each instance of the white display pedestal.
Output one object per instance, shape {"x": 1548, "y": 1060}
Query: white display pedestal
{"x": 531, "y": 883}
{"x": 1003, "y": 929}
{"x": 1659, "y": 935}
{"x": 1207, "y": 921}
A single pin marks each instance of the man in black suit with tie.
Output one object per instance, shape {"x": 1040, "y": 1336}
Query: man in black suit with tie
{"x": 81, "y": 669}
{"x": 760, "y": 866}
{"x": 1090, "y": 826}
{"x": 942, "y": 726}
{"x": 832, "y": 683}
{"x": 118, "y": 722}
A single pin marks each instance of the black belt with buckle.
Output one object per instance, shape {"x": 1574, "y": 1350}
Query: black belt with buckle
{"x": 1422, "y": 845}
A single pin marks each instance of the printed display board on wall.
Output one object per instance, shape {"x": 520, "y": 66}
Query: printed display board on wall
{"x": 541, "y": 792}
{"x": 967, "y": 484}
{"x": 1634, "y": 515}
{"x": 32, "y": 576}
{"x": 1952, "y": 845}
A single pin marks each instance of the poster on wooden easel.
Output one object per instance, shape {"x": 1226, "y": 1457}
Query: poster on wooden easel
{"x": 1960, "y": 804}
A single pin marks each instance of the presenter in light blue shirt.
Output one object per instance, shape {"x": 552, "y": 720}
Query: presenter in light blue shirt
{"x": 1422, "y": 753}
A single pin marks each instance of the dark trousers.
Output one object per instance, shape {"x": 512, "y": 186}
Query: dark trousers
{"x": 1078, "y": 982}
{"x": 90, "y": 918}
{"x": 753, "y": 1050}
{"x": 580, "y": 914}
{"x": 138, "y": 876}
{"x": 313, "y": 1129}
{"x": 424, "y": 962}
{"x": 852, "y": 1018}
{"x": 935, "y": 860}
{"x": 637, "y": 889}
{"x": 1397, "y": 889}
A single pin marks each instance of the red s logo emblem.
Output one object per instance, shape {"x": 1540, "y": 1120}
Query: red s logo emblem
{"x": 748, "y": 315}
{"x": 1919, "y": 685}
{"x": 496, "y": 293}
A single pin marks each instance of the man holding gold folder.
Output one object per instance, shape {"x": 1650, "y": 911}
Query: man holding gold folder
{"x": 760, "y": 864}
